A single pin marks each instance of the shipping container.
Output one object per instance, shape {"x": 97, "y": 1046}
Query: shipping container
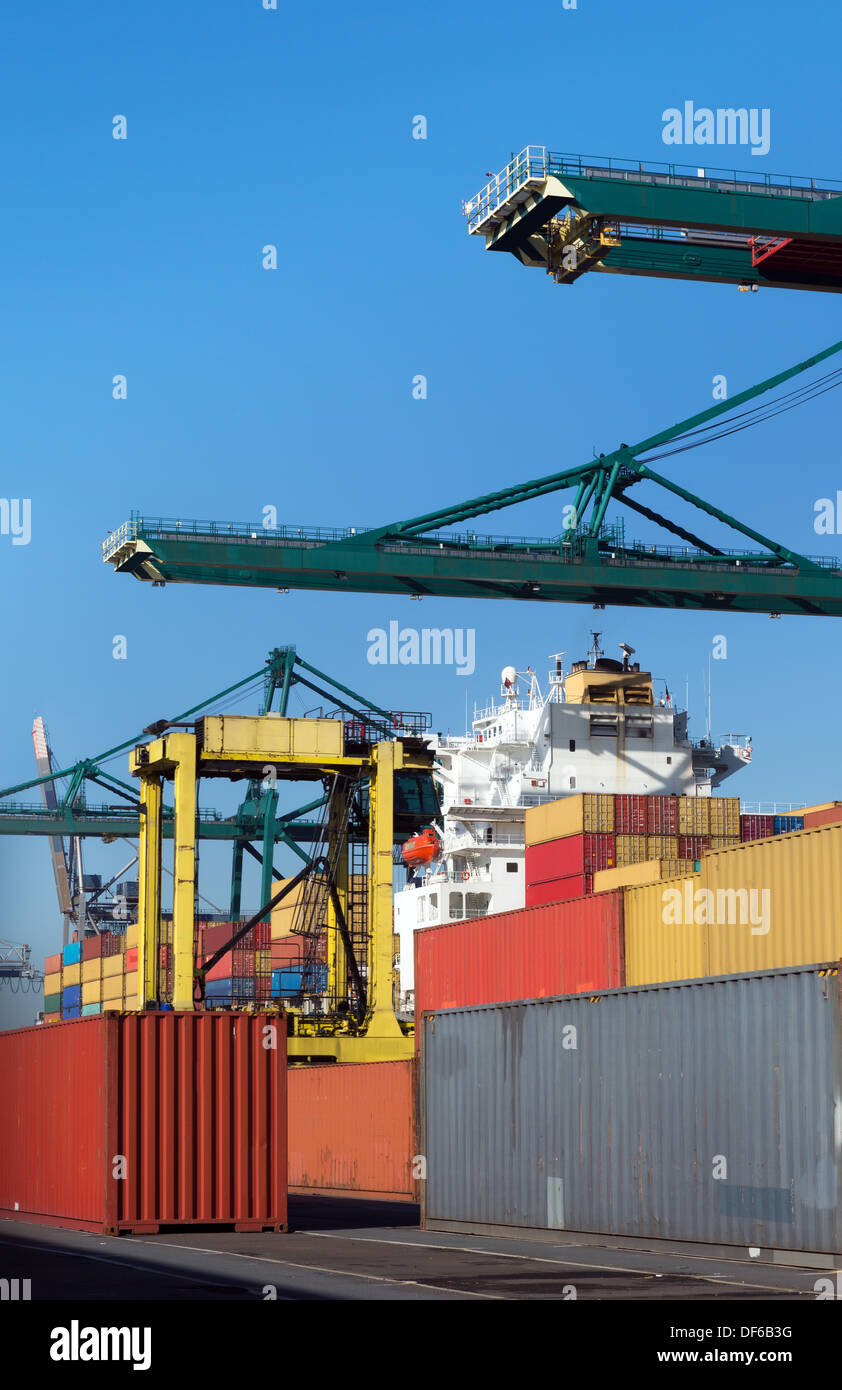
{"x": 72, "y": 953}
{"x": 693, "y": 846}
{"x": 573, "y": 815}
{"x": 630, "y": 849}
{"x": 662, "y": 847}
{"x": 753, "y": 827}
{"x": 575, "y": 854}
{"x": 88, "y": 1010}
{"x": 724, "y": 816}
{"x": 558, "y": 890}
{"x": 53, "y": 964}
{"x": 70, "y": 995}
{"x": 825, "y": 814}
{"x": 776, "y": 902}
{"x": 650, "y": 871}
{"x": 631, "y": 815}
{"x": 71, "y": 975}
{"x": 784, "y": 825}
{"x": 352, "y": 1130}
{"x": 195, "y": 1103}
{"x": 723, "y": 841}
{"x": 657, "y": 947}
{"x": 703, "y": 1112}
{"x": 52, "y": 1002}
{"x": 693, "y": 815}
{"x": 562, "y": 948}
{"x": 662, "y": 815}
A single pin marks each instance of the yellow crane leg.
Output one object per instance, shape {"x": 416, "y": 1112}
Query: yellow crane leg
{"x": 149, "y": 889}
{"x": 386, "y": 761}
{"x": 182, "y": 748}
{"x": 337, "y": 966}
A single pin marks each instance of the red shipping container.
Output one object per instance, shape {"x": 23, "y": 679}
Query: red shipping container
{"x": 131, "y": 958}
{"x": 631, "y": 815}
{"x": 756, "y": 827}
{"x": 828, "y": 816}
{"x": 564, "y": 948}
{"x": 574, "y": 854}
{"x": 556, "y": 890}
{"x": 662, "y": 815}
{"x": 352, "y": 1129}
{"x": 92, "y": 947}
{"x": 236, "y": 962}
{"x": 219, "y": 935}
{"x": 52, "y": 964}
{"x": 194, "y": 1101}
{"x": 692, "y": 846}
{"x": 287, "y": 952}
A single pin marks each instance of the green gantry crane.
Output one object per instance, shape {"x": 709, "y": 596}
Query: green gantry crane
{"x": 589, "y": 561}
{"x": 569, "y": 214}
{"x": 70, "y": 815}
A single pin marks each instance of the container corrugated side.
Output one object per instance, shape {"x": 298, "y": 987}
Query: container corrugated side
{"x": 352, "y": 1129}
{"x": 659, "y": 949}
{"x": 698, "y": 1112}
{"x": 195, "y": 1104}
{"x": 561, "y": 948}
{"x": 798, "y": 921}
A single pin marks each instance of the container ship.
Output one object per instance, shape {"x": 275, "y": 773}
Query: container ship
{"x": 598, "y": 729}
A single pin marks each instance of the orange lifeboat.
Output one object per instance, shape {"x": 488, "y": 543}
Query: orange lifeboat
{"x": 422, "y": 848}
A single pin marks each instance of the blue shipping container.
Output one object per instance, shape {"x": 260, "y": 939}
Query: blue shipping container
{"x": 782, "y": 825}
{"x": 235, "y": 987}
{"x": 73, "y": 1012}
{"x": 72, "y": 953}
{"x": 71, "y": 995}
{"x": 285, "y": 983}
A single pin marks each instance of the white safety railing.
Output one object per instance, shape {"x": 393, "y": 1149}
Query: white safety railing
{"x": 507, "y": 189}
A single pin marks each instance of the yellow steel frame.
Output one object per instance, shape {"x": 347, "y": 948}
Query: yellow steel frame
{"x": 178, "y": 757}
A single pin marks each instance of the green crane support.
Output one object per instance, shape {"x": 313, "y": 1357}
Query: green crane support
{"x": 588, "y": 562}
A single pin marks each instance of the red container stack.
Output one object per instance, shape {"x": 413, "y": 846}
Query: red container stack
{"x": 557, "y": 870}
{"x": 692, "y": 846}
{"x": 631, "y": 815}
{"x": 662, "y": 815}
{"x": 565, "y": 948}
{"x": 756, "y": 827}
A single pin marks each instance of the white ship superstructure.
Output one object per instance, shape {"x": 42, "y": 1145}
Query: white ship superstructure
{"x": 598, "y": 728}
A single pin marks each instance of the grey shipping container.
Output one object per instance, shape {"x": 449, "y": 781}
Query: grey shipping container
{"x": 698, "y": 1111}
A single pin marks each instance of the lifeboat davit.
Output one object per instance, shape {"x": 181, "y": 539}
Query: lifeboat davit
{"x": 422, "y": 848}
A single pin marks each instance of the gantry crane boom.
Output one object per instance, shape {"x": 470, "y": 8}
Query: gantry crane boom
{"x": 589, "y": 562}
{"x": 568, "y": 214}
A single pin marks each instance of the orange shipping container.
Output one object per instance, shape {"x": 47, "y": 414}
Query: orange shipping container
{"x": 196, "y": 1102}
{"x": 352, "y": 1129}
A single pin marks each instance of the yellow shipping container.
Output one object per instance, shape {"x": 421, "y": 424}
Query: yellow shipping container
{"x": 724, "y": 841}
{"x": 130, "y": 1004}
{"x": 775, "y": 902}
{"x": 113, "y": 965}
{"x": 91, "y": 992}
{"x": 52, "y": 983}
{"x": 630, "y": 849}
{"x": 694, "y": 815}
{"x": 725, "y": 815}
{"x": 113, "y": 1006}
{"x": 589, "y": 813}
{"x": 677, "y": 868}
{"x": 657, "y": 947}
{"x": 662, "y": 846}
{"x": 131, "y": 935}
{"x": 282, "y": 917}
{"x": 627, "y": 876}
{"x": 91, "y": 970}
{"x": 71, "y": 975}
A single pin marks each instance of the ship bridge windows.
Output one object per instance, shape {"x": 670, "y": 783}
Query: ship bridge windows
{"x": 603, "y": 726}
{"x": 427, "y": 907}
{"x": 638, "y": 726}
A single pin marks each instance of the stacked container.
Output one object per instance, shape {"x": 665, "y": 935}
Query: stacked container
{"x": 569, "y": 842}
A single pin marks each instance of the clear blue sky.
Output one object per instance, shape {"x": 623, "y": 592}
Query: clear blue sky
{"x": 293, "y": 388}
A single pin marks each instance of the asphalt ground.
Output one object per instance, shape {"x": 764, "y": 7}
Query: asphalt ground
{"x": 349, "y": 1249}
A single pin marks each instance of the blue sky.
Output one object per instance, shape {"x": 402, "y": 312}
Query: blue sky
{"x": 292, "y": 388}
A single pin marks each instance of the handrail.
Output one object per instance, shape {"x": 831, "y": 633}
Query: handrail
{"x": 535, "y": 163}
